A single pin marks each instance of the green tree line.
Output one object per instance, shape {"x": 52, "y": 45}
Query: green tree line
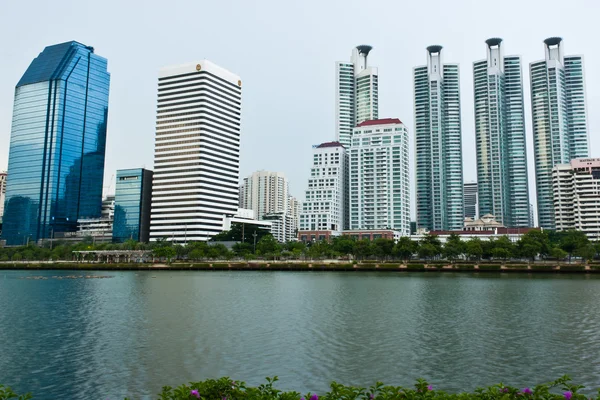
{"x": 534, "y": 244}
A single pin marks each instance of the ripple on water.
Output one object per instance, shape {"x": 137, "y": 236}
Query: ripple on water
{"x": 66, "y": 338}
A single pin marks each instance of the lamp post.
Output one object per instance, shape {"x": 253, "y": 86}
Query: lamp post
{"x": 254, "y": 234}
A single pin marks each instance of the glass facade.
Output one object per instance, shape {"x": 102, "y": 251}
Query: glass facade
{"x": 58, "y": 137}
{"x": 438, "y": 145}
{"x": 133, "y": 196}
{"x": 559, "y": 117}
{"x": 500, "y": 137}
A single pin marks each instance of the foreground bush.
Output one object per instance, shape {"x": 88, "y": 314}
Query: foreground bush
{"x": 226, "y": 389}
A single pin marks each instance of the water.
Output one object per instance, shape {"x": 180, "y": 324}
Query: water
{"x": 137, "y": 331}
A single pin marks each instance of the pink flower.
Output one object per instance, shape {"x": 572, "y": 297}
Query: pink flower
{"x": 195, "y": 393}
{"x": 568, "y": 395}
{"x": 430, "y": 388}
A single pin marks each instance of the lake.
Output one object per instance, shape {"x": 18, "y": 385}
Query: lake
{"x": 132, "y": 333}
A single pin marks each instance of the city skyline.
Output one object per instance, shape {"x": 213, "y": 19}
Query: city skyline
{"x": 264, "y": 119}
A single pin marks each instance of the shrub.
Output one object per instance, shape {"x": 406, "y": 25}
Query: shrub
{"x": 415, "y": 266}
{"x": 225, "y": 388}
{"x": 369, "y": 262}
{"x": 489, "y": 267}
{"x": 389, "y": 266}
{"x": 542, "y": 267}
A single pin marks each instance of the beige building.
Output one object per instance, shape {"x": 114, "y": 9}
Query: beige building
{"x": 486, "y": 223}
{"x": 576, "y": 195}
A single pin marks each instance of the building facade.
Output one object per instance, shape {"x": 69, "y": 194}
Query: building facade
{"x": 281, "y": 226}
{"x": 471, "y": 202}
{"x": 294, "y": 207}
{"x": 576, "y": 196}
{"x": 356, "y": 93}
{"x": 379, "y": 181}
{"x": 500, "y": 136}
{"x": 265, "y": 192}
{"x": 197, "y": 151}
{"x": 559, "y": 115}
{"x": 57, "y": 147}
{"x": 133, "y": 199}
{"x": 2, "y": 193}
{"x": 325, "y": 208}
{"x": 438, "y": 144}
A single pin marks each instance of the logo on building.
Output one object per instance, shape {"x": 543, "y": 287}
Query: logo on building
{"x": 239, "y": 83}
{"x": 198, "y": 67}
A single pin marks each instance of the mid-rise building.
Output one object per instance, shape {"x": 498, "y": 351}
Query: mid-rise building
{"x": 197, "y": 151}
{"x": 379, "y": 176}
{"x": 281, "y": 226}
{"x": 325, "y": 209}
{"x": 57, "y": 146}
{"x": 502, "y": 180}
{"x": 356, "y": 93}
{"x": 265, "y": 192}
{"x": 2, "y": 193}
{"x": 438, "y": 144}
{"x": 576, "y": 196}
{"x": 559, "y": 115}
{"x": 294, "y": 207}
{"x": 133, "y": 197}
{"x": 471, "y": 202}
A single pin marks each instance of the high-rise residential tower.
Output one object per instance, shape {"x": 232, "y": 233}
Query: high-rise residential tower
{"x": 471, "y": 203}
{"x": 559, "y": 115}
{"x": 439, "y": 177}
{"x": 57, "y": 146}
{"x": 356, "y": 93}
{"x": 197, "y": 151}
{"x": 575, "y": 196}
{"x": 265, "y": 192}
{"x": 325, "y": 209}
{"x": 379, "y": 176}
{"x": 500, "y": 137}
{"x": 133, "y": 198}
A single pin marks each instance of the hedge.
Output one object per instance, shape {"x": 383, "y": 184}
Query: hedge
{"x": 415, "y": 266}
{"x": 225, "y": 388}
{"x": 489, "y": 267}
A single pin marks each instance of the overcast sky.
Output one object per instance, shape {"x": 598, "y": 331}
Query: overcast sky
{"x": 285, "y": 53}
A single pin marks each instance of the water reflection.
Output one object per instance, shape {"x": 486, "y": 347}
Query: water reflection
{"x": 137, "y": 331}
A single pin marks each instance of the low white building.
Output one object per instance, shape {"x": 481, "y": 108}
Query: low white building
{"x": 245, "y": 217}
{"x": 379, "y": 176}
{"x": 576, "y": 196}
{"x": 486, "y": 223}
{"x": 325, "y": 207}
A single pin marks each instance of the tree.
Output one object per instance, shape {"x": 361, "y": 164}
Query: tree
{"x": 473, "y": 249}
{"x": 268, "y": 245}
{"x": 572, "y": 241}
{"x": 17, "y": 257}
{"x": 454, "y": 247}
{"x": 344, "y": 245}
{"x": 586, "y": 252}
{"x": 363, "y": 249}
{"x": 405, "y": 248}
{"x": 558, "y": 253}
{"x": 241, "y": 249}
{"x": 427, "y": 251}
{"x": 539, "y": 237}
{"x": 504, "y": 248}
{"x": 382, "y": 248}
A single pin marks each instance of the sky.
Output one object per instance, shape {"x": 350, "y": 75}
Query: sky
{"x": 285, "y": 54}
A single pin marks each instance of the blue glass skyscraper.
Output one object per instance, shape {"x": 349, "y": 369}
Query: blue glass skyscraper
{"x": 133, "y": 199}
{"x": 57, "y": 146}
